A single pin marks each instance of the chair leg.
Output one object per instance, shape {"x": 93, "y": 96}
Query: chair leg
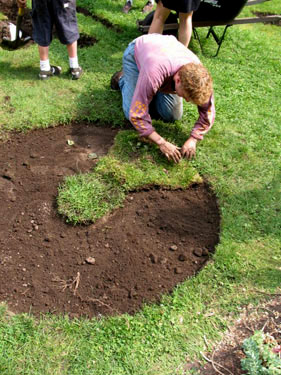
{"x": 212, "y": 32}
{"x": 196, "y": 37}
{"x": 218, "y": 39}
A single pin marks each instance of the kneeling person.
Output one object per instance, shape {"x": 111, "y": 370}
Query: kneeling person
{"x": 158, "y": 71}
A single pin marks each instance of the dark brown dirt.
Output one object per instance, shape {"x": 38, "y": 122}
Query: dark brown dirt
{"x": 86, "y": 41}
{"x": 104, "y": 21}
{"x": 157, "y": 240}
{"x": 4, "y": 30}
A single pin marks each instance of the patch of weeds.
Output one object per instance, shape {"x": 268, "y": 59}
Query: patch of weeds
{"x": 262, "y": 355}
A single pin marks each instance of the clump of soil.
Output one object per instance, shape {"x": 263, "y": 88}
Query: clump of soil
{"x": 10, "y": 9}
{"x": 86, "y": 41}
{"x": 4, "y": 30}
{"x": 157, "y": 240}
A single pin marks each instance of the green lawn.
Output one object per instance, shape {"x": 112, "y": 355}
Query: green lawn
{"x": 240, "y": 157}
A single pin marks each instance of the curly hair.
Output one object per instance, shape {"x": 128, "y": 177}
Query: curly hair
{"x": 196, "y": 82}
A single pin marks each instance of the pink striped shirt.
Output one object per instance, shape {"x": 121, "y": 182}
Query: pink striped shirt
{"x": 158, "y": 58}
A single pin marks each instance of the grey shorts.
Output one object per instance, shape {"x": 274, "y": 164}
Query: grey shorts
{"x": 58, "y": 13}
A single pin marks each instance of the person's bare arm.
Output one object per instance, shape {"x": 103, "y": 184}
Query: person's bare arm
{"x": 171, "y": 151}
{"x": 201, "y": 127}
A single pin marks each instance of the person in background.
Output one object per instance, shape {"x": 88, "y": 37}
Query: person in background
{"x": 146, "y": 9}
{"x": 158, "y": 72}
{"x": 185, "y": 9}
{"x": 62, "y": 14}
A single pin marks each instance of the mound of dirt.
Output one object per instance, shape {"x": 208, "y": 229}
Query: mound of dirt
{"x": 10, "y": 9}
{"x": 4, "y": 30}
{"x": 157, "y": 240}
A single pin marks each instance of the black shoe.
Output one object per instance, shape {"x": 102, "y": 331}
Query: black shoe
{"x": 127, "y": 7}
{"x": 76, "y": 72}
{"x": 46, "y": 74}
{"x": 114, "y": 82}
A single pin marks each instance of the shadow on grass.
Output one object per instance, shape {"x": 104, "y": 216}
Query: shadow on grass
{"x": 267, "y": 277}
{"x": 125, "y": 23}
{"x": 259, "y": 211}
{"x": 22, "y": 73}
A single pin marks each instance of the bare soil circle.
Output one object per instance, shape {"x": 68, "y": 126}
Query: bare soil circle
{"x": 138, "y": 253}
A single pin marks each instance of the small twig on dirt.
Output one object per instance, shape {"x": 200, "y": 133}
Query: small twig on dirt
{"x": 76, "y": 281}
{"x": 64, "y": 284}
{"x": 276, "y": 326}
{"x": 101, "y": 303}
{"x": 248, "y": 328}
{"x": 267, "y": 294}
{"x": 205, "y": 341}
{"x": 213, "y": 364}
{"x": 25, "y": 291}
{"x": 217, "y": 364}
{"x": 277, "y": 331}
{"x": 265, "y": 324}
{"x": 213, "y": 324}
{"x": 265, "y": 309}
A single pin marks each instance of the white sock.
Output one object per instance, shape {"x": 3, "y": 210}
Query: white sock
{"x": 73, "y": 62}
{"x": 45, "y": 65}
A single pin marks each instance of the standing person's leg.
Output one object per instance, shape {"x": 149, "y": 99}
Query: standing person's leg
{"x": 185, "y": 28}
{"x": 72, "y": 49}
{"x": 47, "y": 70}
{"x": 160, "y": 15}
{"x": 75, "y": 69}
{"x": 129, "y": 78}
{"x": 42, "y": 35}
{"x": 65, "y": 19}
{"x": 43, "y": 54}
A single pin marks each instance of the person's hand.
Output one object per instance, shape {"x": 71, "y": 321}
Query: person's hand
{"x": 188, "y": 150}
{"x": 171, "y": 151}
{"x": 21, "y": 3}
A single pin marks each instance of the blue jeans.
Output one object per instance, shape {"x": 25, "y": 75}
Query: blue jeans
{"x": 168, "y": 107}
